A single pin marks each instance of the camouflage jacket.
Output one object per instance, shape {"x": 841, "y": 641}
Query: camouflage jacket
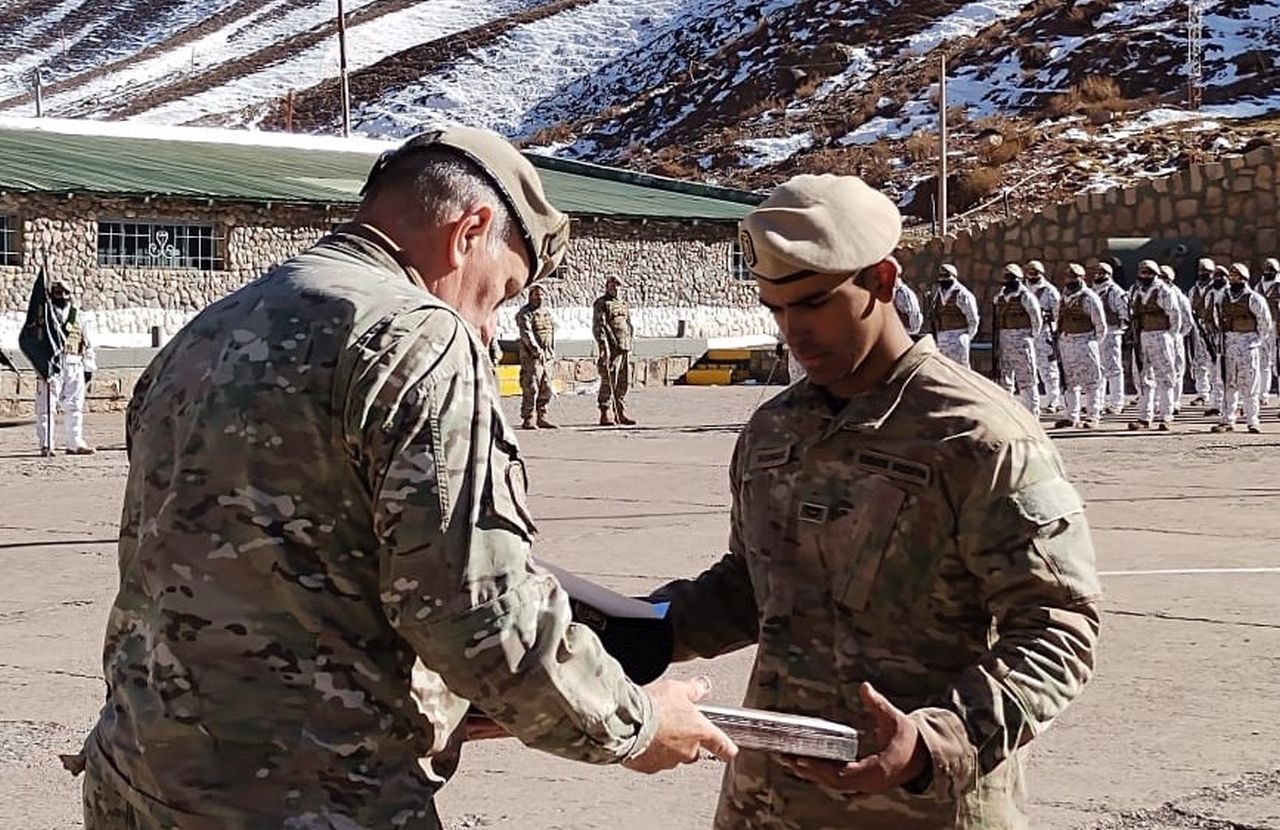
{"x": 324, "y": 555}
{"x": 924, "y": 539}
{"x": 611, "y": 324}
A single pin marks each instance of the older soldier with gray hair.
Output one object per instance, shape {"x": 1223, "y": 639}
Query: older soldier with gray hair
{"x": 904, "y": 549}
{"x": 324, "y": 551}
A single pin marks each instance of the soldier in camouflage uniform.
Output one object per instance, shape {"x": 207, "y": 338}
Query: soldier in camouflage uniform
{"x": 324, "y": 548}
{"x": 611, "y": 328}
{"x": 1245, "y": 323}
{"x": 1269, "y": 288}
{"x": 1083, "y": 326}
{"x": 1160, "y": 315}
{"x": 1183, "y": 334}
{"x": 953, "y": 315}
{"x": 907, "y": 304}
{"x": 1047, "y": 295}
{"x": 1115, "y": 307}
{"x": 1018, "y": 318}
{"x": 1204, "y": 365}
{"x": 904, "y": 549}
{"x": 537, "y": 355}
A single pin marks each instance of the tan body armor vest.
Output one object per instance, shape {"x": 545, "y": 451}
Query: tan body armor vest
{"x": 1272, "y": 295}
{"x": 1236, "y": 315}
{"x": 949, "y": 315}
{"x": 1151, "y": 313}
{"x": 1013, "y": 314}
{"x": 73, "y": 342}
{"x": 1075, "y": 319}
{"x": 1108, "y": 312}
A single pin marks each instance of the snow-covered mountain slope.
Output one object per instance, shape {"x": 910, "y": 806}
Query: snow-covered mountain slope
{"x": 1077, "y": 93}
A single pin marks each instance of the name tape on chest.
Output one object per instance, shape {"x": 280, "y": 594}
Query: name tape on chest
{"x": 889, "y": 466}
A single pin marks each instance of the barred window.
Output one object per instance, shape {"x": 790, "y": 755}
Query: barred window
{"x": 160, "y": 244}
{"x": 738, "y": 266}
{"x": 10, "y": 241}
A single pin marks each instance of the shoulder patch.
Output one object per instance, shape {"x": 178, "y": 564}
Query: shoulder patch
{"x": 762, "y": 458}
{"x": 889, "y": 466}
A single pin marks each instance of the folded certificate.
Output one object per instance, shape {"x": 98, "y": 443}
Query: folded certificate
{"x": 786, "y": 734}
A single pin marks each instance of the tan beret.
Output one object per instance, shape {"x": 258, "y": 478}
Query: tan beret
{"x": 1207, "y": 264}
{"x": 1167, "y": 272}
{"x": 819, "y": 225}
{"x": 1105, "y": 267}
{"x": 949, "y": 270}
{"x": 1149, "y": 265}
{"x": 1271, "y": 266}
{"x": 1014, "y": 269}
{"x": 1035, "y": 266}
{"x": 1075, "y": 269}
{"x": 1241, "y": 269}
{"x": 544, "y": 229}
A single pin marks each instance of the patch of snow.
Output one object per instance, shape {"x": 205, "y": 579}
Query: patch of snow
{"x": 1075, "y": 134}
{"x": 767, "y": 151}
{"x": 965, "y": 21}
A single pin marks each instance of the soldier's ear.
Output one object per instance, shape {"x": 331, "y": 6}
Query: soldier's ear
{"x": 880, "y": 279}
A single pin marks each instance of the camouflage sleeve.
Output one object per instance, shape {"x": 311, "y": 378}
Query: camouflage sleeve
{"x": 447, "y": 490}
{"x": 525, "y": 329}
{"x": 599, "y": 330}
{"x": 716, "y": 612}
{"x": 1024, "y": 537}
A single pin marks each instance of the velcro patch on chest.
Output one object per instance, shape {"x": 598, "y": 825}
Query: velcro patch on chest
{"x": 900, "y": 469}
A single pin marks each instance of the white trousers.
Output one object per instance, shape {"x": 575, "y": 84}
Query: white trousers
{"x": 955, "y": 345}
{"x": 1111, "y": 351}
{"x": 1082, "y": 376}
{"x": 66, "y": 391}
{"x": 1157, "y": 392}
{"x": 1243, "y": 381}
{"x": 1047, "y": 369}
{"x": 1018, "y": 367}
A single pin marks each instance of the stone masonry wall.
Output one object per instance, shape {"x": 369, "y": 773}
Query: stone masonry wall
{"x": 1231, "y": 206}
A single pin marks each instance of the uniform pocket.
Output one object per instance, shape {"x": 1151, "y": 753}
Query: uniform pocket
{"x": 854, "y": 544}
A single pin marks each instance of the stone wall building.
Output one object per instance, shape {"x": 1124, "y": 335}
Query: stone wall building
{"x": 148, "y": 230}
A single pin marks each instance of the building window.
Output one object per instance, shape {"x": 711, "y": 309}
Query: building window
{"x": 156, "y": 244}
{"x": 738, "y": 266}
{"x": 10, "y": 241}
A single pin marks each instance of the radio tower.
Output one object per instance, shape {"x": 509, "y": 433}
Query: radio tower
{"x": 1195, "y": 53}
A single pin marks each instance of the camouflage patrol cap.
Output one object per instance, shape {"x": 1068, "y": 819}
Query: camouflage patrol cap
{"x": 1013, "y": 269}
{"x": 823, "y": 224}
{"x": 543, "y": 228}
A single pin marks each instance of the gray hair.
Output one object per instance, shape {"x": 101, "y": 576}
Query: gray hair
{"x": 445, "y": 184}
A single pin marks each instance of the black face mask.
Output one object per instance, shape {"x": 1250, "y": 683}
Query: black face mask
{"x": 1010, "y": 283}
{"x": 1073, "y": 286}
{"x": 1205, "y": 277}
{"x": 1146, "y": 280}
{"x": 60, "y": 302}
{"x": 1220, "y": 282}
{"x": 1237, "y": 288}
{"x": 1270, "y": 276}
{"x": 945, "y": 283}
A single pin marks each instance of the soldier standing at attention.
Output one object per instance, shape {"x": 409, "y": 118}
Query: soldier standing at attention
{"x": 907, "y": 304}
{"x": 953, "y": 315}
{"x": 1115, "y": 306}
{"x": 1245, "y": 323}
{"x": 324, "y": 548}
{"x": 537, "y": 354}
{"x": 1084, "y": 326}
{"x": 1046, "y": 294}
{"x": 1180, "y": 338}
{"x": 1017, "y": 316}
{"x": 1269, "y": 288}
{"x": 1204, "y": 371}
{"x": 1160, "y": 318}
{"x": 904, "y": 549}
{"x": 66, "y": 389}
{"x": 611, "y": 327}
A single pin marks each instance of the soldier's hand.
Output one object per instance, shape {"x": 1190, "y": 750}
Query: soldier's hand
{"x": 683, "y": 731}
{"x": 901, "y": 757}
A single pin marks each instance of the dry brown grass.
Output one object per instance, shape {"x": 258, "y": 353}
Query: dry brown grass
{"x": 921, "y": 146}
{"x": 974, "y": 185}
{"x": 1093, "y": 93}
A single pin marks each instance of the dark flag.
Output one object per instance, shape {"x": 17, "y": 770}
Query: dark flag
{"x": 42, "y": 339}
{"x": 6, "y": 362}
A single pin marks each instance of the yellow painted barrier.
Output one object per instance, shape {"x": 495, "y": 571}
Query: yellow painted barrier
{"x": 709, "y": 377}
{"x": 727, "y": 355}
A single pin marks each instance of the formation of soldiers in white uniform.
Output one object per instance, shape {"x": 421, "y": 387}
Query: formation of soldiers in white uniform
{"x": 1060, "y": 350}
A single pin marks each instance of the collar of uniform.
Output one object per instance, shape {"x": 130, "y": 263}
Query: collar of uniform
{"x": 378, "y": 247}
{"x": 869, "y": 411}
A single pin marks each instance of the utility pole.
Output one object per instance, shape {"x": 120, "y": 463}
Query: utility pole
{"x": 942, "y": 146}
{"x": 1195, "y": 54}
{"x": 342, "y": 70}
{"x": 39, "y": 95}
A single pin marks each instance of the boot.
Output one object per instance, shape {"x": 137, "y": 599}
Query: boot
{"x": 83, "y": 450}
{"x": 1216, "y": 428}
{"x": 1064, "y": 423}
{"x": 528, "y": 423}
{"x": 606, "y": 420}
{"x": 1138, "y": 424}
{"x": 623, "y": 419}
{"x": 543, "y": 423}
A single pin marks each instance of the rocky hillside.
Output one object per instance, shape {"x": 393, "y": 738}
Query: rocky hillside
{"x": 1045, "y": 98}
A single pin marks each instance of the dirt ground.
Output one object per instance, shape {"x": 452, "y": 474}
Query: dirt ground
{"x": 1178, "y": 730}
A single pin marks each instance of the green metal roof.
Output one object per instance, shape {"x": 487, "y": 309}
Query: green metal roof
{"x": 41, "y": 161}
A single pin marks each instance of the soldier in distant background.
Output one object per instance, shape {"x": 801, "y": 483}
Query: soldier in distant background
{"x": 611, "y": 327}
{"x": 1204, "y": 363}
{"x": 1160, "y": 318}
{"x": 66, "y": 389}
{"x": 1269, "y": 288}
{"x": 953, "y": 315}
{"x": 1183, "y": 334}
{"x": 907, "y": 304}
{"x": 1018, "y": 321}
{"x": 1115, "y": 306}
{"x": 1083, "y": 326}
{"x": 1046, "y": 294}
{"x": 1245, "y": 322}
{"x": 537, "y": 355}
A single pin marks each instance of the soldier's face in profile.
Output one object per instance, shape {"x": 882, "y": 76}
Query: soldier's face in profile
{"x": 487, "y": 274}
{"x": 831, "y": 321}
